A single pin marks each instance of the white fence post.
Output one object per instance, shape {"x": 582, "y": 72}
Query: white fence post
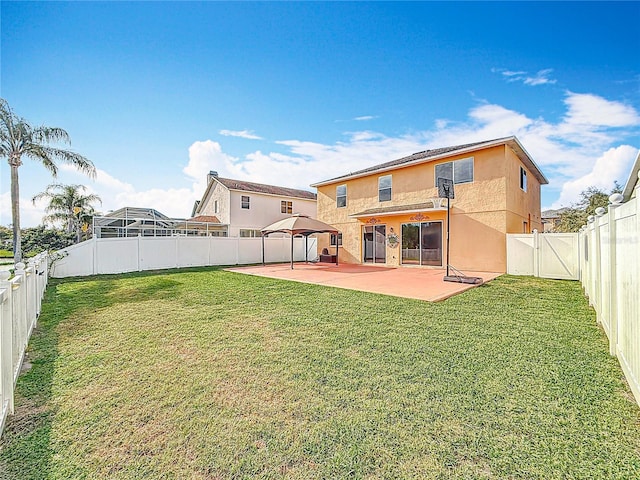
{"x": 536, "y": 253}
{"x": 6, "y": 347}
{"x": 32, "y": 303}
{"x": 20, "y": 304}
{"x": 616, "y": 201}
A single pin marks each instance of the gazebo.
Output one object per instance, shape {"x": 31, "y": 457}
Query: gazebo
{"x": 298, "y": 225}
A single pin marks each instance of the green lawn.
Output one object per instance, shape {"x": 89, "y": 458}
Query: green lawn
{"x": 207, "y": 374}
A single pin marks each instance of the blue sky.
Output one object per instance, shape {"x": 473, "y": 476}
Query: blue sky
{"x": 157, "y": 94}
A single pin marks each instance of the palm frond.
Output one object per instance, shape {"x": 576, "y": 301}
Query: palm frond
{"x": 66, "y": 156}
{"x": 44, "y": 134}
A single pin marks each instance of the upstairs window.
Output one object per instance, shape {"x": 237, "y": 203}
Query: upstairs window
{"x": 341, "y": 196}
{"x": 286, "y": 207}
{"x": 523, "y": 179}
{"x": 384, "y": 188}
{"x": 460, "y": 171}
{"x": 245, "y": 202}
{"x": 215, "y": 207}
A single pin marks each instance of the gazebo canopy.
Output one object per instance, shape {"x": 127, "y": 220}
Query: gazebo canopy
{"x": 298, "y": 225}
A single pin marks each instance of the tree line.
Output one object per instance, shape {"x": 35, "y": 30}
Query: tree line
{"x": 577, "y": 215}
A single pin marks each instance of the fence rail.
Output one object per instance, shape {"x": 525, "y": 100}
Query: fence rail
{"x": 610, "y": 276}
{"x": 134, "y": 254}
{"x": 20, "y": 302}
{"x": 546, "y": 255}
{"x": 605, "y": 257}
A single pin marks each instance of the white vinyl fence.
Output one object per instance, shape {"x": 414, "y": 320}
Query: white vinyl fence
{"x": 134, "y": 254}
{"x": 605, "y": 257}
{"x": 546, "y": 255}
{"x": 20, "y": 301}
{"x": 610, "y": 275}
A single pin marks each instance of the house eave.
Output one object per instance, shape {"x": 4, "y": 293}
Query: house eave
{"x": 270, "y": 194}
{"x": 512, "y": 142}
{"x": 397, "y": 213}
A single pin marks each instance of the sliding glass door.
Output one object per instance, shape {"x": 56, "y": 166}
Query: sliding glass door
{"x": 422, "y": 243}
{"x": 374, "y": 243}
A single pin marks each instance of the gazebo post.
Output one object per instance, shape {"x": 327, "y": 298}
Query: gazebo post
{"x": 263, "y": 264}
{"x": 337, "y": 249}
{"x": 306, "y": 249}
{"x": 292, "y": 250}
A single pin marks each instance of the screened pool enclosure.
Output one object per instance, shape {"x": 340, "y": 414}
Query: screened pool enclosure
{"x": 148, "y": 222}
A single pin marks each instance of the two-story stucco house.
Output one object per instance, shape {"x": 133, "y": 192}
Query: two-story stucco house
{"x": 390, "y": 214}
{"x": 247, "y": 207}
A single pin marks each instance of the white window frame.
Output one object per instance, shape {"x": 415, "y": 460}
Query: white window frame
{"x": 338, "y": 197}
{"x": 332, "y": 240}
{"x": 453, "y": 170}
{"x": 390, "y": 188}
{"x": 247, "y": 202}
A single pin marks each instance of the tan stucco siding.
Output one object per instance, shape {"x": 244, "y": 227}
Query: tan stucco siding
{"x": 481, "y": 211}
{"x": 478, "y": 241}
{"x": 521, "y": 206}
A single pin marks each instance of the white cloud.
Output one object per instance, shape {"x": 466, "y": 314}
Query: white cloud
{"x": 204, "y": 156}
{"x": 585, "y": 109}
{"x": 509, "y": 73}
{"x": 102, "y": 178}
{"x": 174, "y": 202}
{"x": 568, "y": 150}
{"x": 539, "y": 78}
{"x": 30, "y": 215}
{"x": 248, "y": 134}
{"x": 584, "y": 148}
{"x": 364, "y": 118}
{"x": 612, "y": 165}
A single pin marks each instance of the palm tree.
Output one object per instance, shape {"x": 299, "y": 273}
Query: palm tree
{"x": 68, "y": 205}
{"x": 18, "y": 139}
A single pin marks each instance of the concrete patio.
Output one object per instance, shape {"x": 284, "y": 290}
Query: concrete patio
{"x": 408, "y": 282}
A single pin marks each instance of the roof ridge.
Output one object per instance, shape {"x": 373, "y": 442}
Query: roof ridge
{"x": 425, "y": 154}
{"x": 265, "y": 188}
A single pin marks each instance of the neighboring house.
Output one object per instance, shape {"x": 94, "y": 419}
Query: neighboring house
{"x": 148, "y": 222}
{"x": 390, "y": 214}
{"x": 629, "y": 191}
{"x": 551, "y": 219}
{"x": 247, "y": 207}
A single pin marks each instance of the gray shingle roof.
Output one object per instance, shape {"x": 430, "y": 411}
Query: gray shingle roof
{"x": 411, "y": 158}
{"x": 443, "y": 152}
{"x": 268, "y": 189}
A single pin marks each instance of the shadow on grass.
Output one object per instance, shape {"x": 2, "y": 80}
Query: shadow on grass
{"x": 25, "y": 447}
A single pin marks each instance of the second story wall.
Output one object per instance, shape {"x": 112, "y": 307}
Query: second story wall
{"x": 417, "y": 183}
{"x": 263, "y": 209}
{"x": 523, "y": 201}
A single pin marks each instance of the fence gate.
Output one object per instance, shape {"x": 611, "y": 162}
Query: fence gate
{"x": 558, "y": 256}
{"x": 547, "y": 255}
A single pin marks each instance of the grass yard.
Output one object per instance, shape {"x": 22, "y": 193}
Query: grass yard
{"x": 207, "y": 374}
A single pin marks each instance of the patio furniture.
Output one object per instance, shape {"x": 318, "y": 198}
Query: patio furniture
{"x": 325, "y": 257}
